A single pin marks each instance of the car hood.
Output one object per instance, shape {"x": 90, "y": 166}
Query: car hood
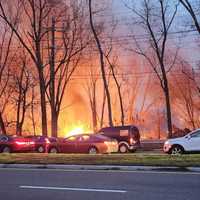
{"x": 175, "y": 140}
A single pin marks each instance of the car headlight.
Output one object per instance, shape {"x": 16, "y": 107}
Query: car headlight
{"x": 167, "y": 142}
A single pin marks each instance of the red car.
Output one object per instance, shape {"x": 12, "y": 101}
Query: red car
{"x": 42, "y": 143}
{"x": 10, "y": 144}
{"x": 85, "y": 143}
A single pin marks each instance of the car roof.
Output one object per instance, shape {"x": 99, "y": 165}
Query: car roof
{"x": 78, "y": 135}
{"x": 198, "y": 129}
{"x": 118, "y": 127}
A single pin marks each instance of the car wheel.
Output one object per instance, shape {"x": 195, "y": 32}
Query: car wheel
{"x": 92, "y": 150}
{"x": 177, "y": 150}
{"x": 40, "y": 149}
{"x": 6, "y": 150}
{"x": 123, "y": 148}
{"x": 53, "y": 150}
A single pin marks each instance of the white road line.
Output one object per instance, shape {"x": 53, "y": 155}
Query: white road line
{"x": 72, "y": 189}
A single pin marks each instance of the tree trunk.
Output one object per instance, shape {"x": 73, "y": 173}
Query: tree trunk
{"x": 2, "y": 125}
{"x": 54, "y": 123}
{"x": 120, "y": 97}
{"x": 103, "y": 109}
{"x": 32, "y": 111}
{"x": 168, "y": 108}
{"x": 94, "y": 109}
{"x": 43, "y": 104}
{"x": 101, "y": 57}
{"x": 118, "y": 90}
{"x": 18, "y": 114}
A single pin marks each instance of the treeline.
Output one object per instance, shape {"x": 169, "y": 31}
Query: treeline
{"x": 46, "y": 45}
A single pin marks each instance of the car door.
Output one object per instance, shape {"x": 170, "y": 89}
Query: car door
{"x": 83, "y": 144}
{"x": 194, "y": 141}
{"x": 69, "y": 145}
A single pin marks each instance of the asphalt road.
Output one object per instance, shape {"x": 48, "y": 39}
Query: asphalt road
{"x": 44, "y": 184}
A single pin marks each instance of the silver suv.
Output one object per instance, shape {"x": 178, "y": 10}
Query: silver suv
{"x": 188, "y": 143}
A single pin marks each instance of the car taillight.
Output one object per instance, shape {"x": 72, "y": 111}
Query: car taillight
{"x": 106, "y": 143}
{"x": 47, "y": 141}
{"x": 24, "y": 143}
{"x": 31, "y": 142}
{"x": 20, "y": 143}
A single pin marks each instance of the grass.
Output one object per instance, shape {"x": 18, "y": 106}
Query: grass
{"x": 113, "y": 159}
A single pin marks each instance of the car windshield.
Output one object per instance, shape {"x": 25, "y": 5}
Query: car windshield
{"x": 99, "y": 135}
{"x": 195, "y": 134}
{"x": 71, "y": 138}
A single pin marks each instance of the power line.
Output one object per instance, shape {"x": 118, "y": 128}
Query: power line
{"x": 128, "y": 74}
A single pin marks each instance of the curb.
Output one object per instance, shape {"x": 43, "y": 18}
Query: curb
{"x": 101, "y": 167}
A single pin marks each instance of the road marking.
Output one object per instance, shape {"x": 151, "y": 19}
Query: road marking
{"x": 72, "y": 189}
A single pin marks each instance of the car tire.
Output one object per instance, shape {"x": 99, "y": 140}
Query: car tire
{"x": 41, "y": 149}
{"x": 53, "y": 150}
{"x": 6, "y": 149}
{"x": 92, "y": 150}
{"x": 123, "y": 148}
{"x": 176, "y": 150}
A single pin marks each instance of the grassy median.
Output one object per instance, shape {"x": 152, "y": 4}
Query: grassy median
{"x": 113, "y": 159}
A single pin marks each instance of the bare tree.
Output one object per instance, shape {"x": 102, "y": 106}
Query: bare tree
{"x": 193, "y": 11}
{"x": 102, "y": 64}
{"x": 156, "y": 21}
{"x": 6, "y": 58}
{"x": 30, "y": 36}
{"x": 91, "y": 90}
{"x": 185, "y": 94}
{"x": 22, "y": 81}
{"x": 192, "y": 8}
{"x": 113, "y": 70}
{"x": 64, "y": 54}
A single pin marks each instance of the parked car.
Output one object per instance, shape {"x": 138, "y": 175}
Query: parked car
{"x": 85, "y": 143}
{"x": 10, "y": 144}
{"x": 42, "y": 143}
{"x": 188, "y": 143}
{"x": 128, "y": 137}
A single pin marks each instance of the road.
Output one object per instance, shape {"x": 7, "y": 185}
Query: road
{"x": 30, "y": 184}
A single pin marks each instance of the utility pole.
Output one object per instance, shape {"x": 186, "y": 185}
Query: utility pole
{"x": 52, "y": 80}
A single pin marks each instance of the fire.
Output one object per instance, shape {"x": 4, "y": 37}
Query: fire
{"x": 76, "y": 129}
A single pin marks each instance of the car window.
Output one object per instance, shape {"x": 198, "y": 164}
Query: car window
{"x": 52, "y": 139}
{"x": 72, "y": 138}
{"x": 84, "y": 138}
{"x": 107, "y": 132}
{"x": 195, "y": 134}
{"x": 102, "y": 137}
{"x": 123, "y": 133}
